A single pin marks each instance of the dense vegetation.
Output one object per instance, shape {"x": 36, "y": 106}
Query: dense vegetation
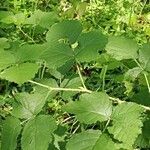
{"x": 75, "y": 75}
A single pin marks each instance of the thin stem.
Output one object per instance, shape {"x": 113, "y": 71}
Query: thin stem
{"x": 43, "y": 70}
{"x": 107, "y": 123}
{"x": 60, "y": 89}
{"x": 81, "y": 90}
{"x": 120, "y": 102}
{"x": 25, "y": 34}
{"x": 80, "y": 75}
{"x": 103, "y": 75}
{"x": 147, "y": 82}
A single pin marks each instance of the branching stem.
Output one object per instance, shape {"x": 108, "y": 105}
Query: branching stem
{"x": 117, "y": 100}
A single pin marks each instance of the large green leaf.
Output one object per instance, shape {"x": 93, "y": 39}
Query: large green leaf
{"x": 144, "y": 56}
{"x": 67, "y": 30}
{"x": 37, "y": 133}
{"x": 57, "y": 54}
{"x": 127, "y": 123}
{"x": 28, "y": 105}
{"x": 122, "y": 48}
{"x": 90, "y": 140}
{"x": 6, "y": 59}
{"x": 20, "y": 73}
{"x": 10, "y": 130}
{"x": 43, "y": 19}
{"x": 29, "y": 52}
{"x": 91, "y": 108}
{"x": 89, "y": 44}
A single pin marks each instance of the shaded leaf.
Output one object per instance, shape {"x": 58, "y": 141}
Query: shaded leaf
{"x": 89, "y": 44}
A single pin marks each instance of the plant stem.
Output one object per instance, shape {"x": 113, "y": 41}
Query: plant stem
{"x": 61, "y": 89}
{"x": 147, "y": 82}
{"x": 81, "y": 90}
{"x": 120, "y": 102}
{"x": 80, "y": 75}
{"x": 103, "y": 75}
{"x": 25, "y": 34}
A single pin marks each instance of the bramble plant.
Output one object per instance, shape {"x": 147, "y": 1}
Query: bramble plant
{"x": 67, "y": 88}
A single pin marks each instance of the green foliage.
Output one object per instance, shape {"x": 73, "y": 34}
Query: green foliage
{"x": 91, "y": 108}
{"x": 37, "y": 133}
{"x": 67, "y": 86}
{"x": 11, "y": 130}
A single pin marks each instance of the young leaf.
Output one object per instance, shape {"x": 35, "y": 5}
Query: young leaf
{"x": 91, "y": 108}
{"x": 91, "y": 140}
{"x": 127, "y": 123}
{"x": 28, "y": 105}
{"x": 37, "y": 133}
{"x": 144, "y": 56}
{"x": 20, "y": 73}
{"x": 10, "y": 130}
{"x": 121, "y": 48}
{"x": 89, "y": 44}
{"x": 69, "y": 29}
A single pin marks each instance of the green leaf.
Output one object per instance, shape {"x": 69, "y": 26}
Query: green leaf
{"x": 16, "y": 19}
{"x": 56, "y": 55}
{"x": 6, "y": 59}
{"x": 10, "y": 130}
{"x": 90, "y": 140}
{"x": 89, "y": 44}
{"x": 43, "y": 19}
{"x": 28, "y": 105}
{"x": 83, "y": 141}
{"x": 4, "y": 43}
{"x": 144, "y": 56}
{"x": 104, "y": 143}
{"x": 127, "y": 123}
{"x": 133, "y": 73}
{"x": 91, "y": 108}
{"x": 69, "y": 29}
{"x": 37, "y": 133}
{"x": 121, "y": 48}
{"x": 29, "y": 52}
{"x": 20, "y": 73}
